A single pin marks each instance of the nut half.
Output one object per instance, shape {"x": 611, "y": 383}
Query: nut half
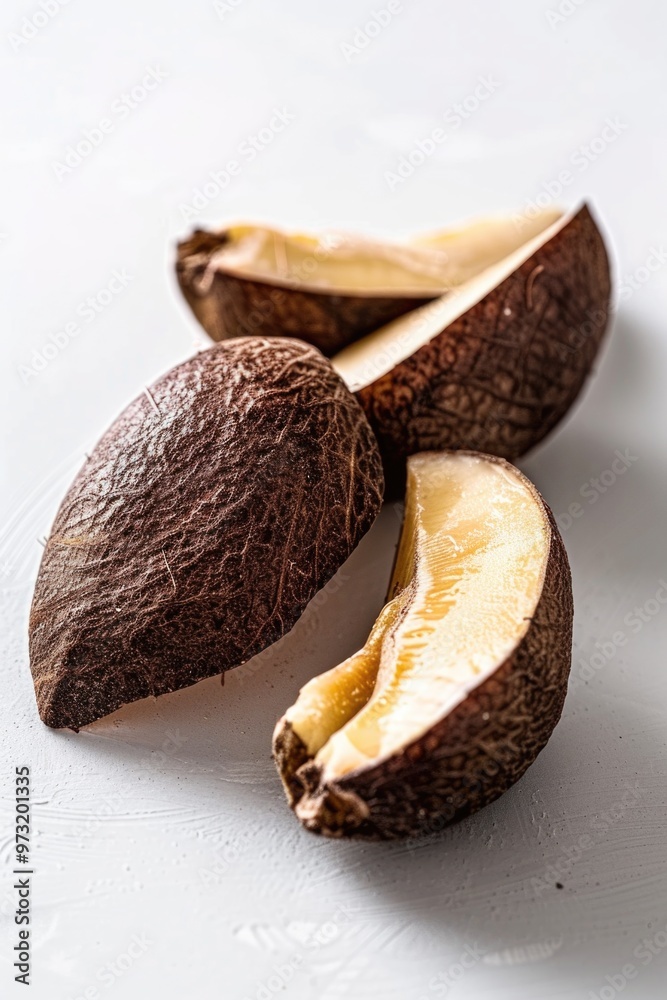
{"x": 495, "y": 364}
{"x": 464, "y": 674}
{"x": 330, "y": 288}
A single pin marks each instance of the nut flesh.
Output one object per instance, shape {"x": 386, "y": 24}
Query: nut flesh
{"x": 375, "y": 355}
{"x": 467, "y": 579}
{"x": 351, "y": 264}
{"x": 426, "y": 725}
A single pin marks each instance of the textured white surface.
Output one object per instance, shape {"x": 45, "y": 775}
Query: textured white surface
{"x": 167, "y": 820}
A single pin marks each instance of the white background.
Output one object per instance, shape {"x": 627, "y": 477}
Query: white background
{"x": 167, "y": 821}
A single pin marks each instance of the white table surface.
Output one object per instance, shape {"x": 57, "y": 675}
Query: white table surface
{"x": 166, "y": 822}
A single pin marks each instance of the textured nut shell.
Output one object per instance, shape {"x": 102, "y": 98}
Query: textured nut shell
{"x": 208, "y": 515}
{"x": 227, "y": 305}
{"x": 465, "y": 760}
{"x": 503, "y": 374}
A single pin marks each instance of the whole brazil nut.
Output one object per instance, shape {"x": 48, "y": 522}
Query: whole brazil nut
{"x": 209, "y": 514}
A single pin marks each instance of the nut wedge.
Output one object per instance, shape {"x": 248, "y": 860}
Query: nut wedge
{"x": 494, "y": 365}
{"x": 332, "y": 288}
{"x": 464, "y": 674}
